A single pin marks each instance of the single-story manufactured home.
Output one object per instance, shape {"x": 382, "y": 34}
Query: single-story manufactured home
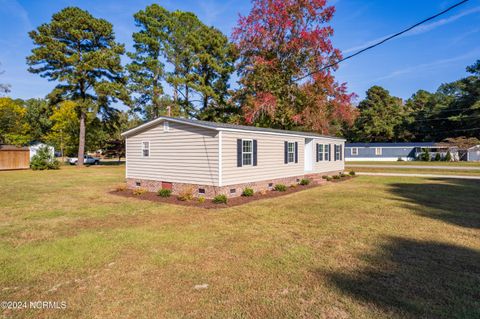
{"x": 395, "y": 151}
{"x": 207, "y": 158}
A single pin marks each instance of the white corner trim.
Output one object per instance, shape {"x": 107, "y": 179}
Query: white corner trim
{"x": 126, "y": 160}
{"x": 220, "y": 159}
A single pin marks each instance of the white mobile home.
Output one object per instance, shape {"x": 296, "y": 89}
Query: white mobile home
{"x": 209, "y": 158}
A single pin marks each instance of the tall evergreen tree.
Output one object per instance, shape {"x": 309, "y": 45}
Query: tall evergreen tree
{"x": 199, "y": 61}
{"x": 79, "y": 52}
{"x": 380, "y": 117}
{"x": 147, "y": 70}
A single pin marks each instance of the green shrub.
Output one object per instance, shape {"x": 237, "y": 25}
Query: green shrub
{"x": 44, "y": 160}
{"x": 248, "y": 192}
{"x": 425, "y": 156}
{"x": 336, "y": 176}
{"x": 280, "y": 188}
{"x": 201, "y": 199}
{"x": 437, "y": 158}
{"x": 342, "y": 175}
{"x": 448, "y": 157}
{"x": 139, "y": 191}
{"x": 220, "y": 199}
{"x": 305, "y": 181}
{"x": 352, "y": 173}
{"x": 164, "y": 192}
{"x": 329, "y": 178}
{"x": 324, "y": 176}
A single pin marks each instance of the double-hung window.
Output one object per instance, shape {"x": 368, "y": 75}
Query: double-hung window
{"x": 247, "y": 152}
{"x": 320, "y": 152}
{"x": 291, "y": 152}
{"x": 354, "y": 151}
{"x": 337, "y": 152}
{"x": 378, "y": 151}
{"x": 146, "y": 149}
{"x": 327, "y": 152}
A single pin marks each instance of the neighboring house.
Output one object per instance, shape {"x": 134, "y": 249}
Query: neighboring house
{"x": 207, "y": 158}
{"x": 395, "y": 151}
{"x": 473, "y": 154}
{"x": 35, "y": 146}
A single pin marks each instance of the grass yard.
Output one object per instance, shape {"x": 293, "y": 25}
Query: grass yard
{"x": 370, "y": 247}
{"x": 414, "y": 163}
{"x": 443, "y": 171}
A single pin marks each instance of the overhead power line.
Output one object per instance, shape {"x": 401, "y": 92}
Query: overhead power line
{"x": 384, "y": 40}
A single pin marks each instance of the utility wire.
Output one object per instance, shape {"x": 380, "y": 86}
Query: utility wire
{"x": 384, "y": 40}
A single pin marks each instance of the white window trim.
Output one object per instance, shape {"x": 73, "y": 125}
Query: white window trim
{"x": 143, "y": 148}
{"x": 288, "y": 152}
{"x": 378, "y": 151}
{"x": 166, "y": 126}
{"x": 251, "y": 152}
{"x": 352, "y": 151}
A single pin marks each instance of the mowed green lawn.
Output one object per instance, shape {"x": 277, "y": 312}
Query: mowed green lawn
{"x": 370, "y": 247}
{"x": 414, "y": 163}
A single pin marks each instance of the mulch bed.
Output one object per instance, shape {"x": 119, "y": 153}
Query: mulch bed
{"x": 208, "y": 204}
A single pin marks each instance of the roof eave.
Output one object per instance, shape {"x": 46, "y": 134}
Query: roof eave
{"x": 163, "y": 118}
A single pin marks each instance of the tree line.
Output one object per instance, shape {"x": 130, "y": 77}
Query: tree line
{"x": 453, "y": 111}
{"x": 182, "y": 67}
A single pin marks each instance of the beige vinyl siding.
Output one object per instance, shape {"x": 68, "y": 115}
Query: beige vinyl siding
{"x": 183, "y": 154}
{"x": 270, "y": 158}
{"x": 328, "y": 166}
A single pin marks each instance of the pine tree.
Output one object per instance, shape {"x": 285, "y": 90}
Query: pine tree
{"x": 79, "y": 52}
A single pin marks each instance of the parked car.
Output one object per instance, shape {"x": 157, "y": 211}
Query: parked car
{"x": 89, "y": 160}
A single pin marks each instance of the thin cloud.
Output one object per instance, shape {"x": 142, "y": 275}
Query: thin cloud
{"x": 14, "y": 8}
{"x": 419, "y": 30}
{"x": 428, "y": 66}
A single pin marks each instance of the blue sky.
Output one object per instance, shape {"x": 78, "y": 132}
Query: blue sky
{"x": 436, "y": 53}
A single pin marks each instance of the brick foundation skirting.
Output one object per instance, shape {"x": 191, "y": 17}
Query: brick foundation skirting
{"x": 209, "y": 191}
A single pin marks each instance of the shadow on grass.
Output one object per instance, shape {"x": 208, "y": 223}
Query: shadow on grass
{"x": 454, "y": 201}
{"x": 417, "y": 279}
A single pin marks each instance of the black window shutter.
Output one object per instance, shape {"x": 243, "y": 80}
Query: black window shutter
{"x": 239, "y": 153}
{"x": 296, "y": 152}
{"x": 286, "y": 152}
{"x": 254, "y": 152}
{"x": 317, "y": 151}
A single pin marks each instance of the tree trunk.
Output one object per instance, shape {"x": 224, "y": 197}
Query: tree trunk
{"x": 81, "y": 139}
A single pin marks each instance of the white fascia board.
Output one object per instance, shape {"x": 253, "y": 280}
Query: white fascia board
{"x": 160, "y": 119}
{"x": 281, "y": 134}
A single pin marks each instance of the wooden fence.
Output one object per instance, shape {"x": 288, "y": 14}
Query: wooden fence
{"x": 12, "y": 157}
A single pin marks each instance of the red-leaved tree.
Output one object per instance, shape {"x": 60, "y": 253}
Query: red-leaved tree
{"x": 283, "y": 45}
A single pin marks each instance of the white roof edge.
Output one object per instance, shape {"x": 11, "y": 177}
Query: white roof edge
{"x": 279, "y": 133}
{"x": 159, "y": 119}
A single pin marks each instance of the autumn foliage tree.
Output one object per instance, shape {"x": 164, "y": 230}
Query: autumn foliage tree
{"x": 284, "y": 47}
